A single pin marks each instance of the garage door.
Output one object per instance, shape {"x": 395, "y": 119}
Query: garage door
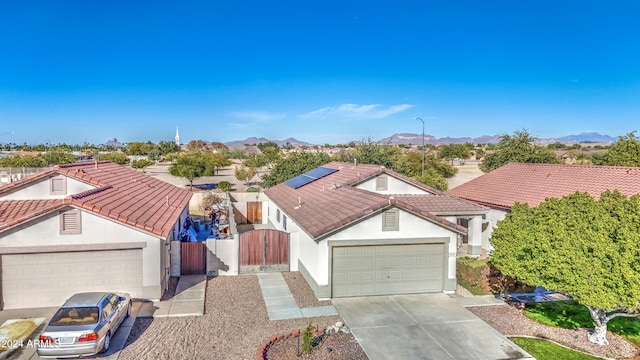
{"x": 48, "y": 279}
{"x": 387, "y": 269}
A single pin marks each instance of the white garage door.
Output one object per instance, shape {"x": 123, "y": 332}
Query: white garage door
{"x": 387, "y": 269}
{"x": 48, "y": 279}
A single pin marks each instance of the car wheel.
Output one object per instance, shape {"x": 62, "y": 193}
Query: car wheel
{"x": 107, "y": 342}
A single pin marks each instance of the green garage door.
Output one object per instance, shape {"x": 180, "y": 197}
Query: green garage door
{"x": 387, "y": 269}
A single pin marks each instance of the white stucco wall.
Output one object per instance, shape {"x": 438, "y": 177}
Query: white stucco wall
{"x": 41, "y": 190}
{"x": 411, "y": 227}
{"x": 224, "y": 259}
{"x": 394, "y": 186}
{"x": 493, "y": 217}
{"x": 95, "y": 230}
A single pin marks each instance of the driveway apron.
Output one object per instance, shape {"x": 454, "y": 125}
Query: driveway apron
{"x": 423, "y": 326}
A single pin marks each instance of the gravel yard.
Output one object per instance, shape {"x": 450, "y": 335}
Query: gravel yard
{"x": 235, "y": 323}
{"x": 510, "y": 321}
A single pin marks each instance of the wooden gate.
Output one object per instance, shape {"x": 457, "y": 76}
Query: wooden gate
{"x": 264, "y": 251}
{"x": 254, "y": 212}
{"x": 193, "y": 258}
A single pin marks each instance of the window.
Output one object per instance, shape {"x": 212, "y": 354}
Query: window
{"x": 70, "y": 222}
{"x": 284, "y": 222}
{"x": 391, "y": 220}
{"x": 58, "y": 185}
{"x": 278, "y": 215}
{"x": 382, "y": 182}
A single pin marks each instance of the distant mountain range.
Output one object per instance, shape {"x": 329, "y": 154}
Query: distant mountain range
{"x": 416, "y": 139}
{"x": 255, "y": 141}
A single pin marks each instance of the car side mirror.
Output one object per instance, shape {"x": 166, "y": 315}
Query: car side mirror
{"x": 121, "y": 298}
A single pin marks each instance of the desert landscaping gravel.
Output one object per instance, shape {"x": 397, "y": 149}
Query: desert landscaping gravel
{"x": 234, "y": 325}
{"x": 512, "y": 322}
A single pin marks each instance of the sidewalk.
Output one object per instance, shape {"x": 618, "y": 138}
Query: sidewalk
{"x": 280, "y": 302}
{"x": 187, "y": 301}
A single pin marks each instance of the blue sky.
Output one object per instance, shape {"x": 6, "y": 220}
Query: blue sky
{"x": 319, "y": 71}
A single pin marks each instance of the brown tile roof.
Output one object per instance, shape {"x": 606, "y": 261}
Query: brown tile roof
{"x": 533, "y": 183}
{"x": 332, "y": 202}
{"x": 121, "y": 194}
{"x": 443, "y": 204}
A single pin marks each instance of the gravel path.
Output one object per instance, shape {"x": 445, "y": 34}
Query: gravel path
{"x": 511, "y": 322}
{"x": 235, "y": 323}
{"x": 302, "y": 291}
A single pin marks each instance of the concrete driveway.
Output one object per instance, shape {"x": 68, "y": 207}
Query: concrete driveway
{"x": 424, "y": 326}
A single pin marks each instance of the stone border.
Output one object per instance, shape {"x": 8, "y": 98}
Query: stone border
{"x": 263, "y": 349}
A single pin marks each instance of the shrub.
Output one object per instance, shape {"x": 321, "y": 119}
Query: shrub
{"x": 307, "y": 339}
{"x": 253, "y": 189}
{"x": 224, "y": 185}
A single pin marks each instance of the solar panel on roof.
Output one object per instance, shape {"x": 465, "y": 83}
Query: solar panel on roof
{"x": 309, "y": 176}
{"x": 320, "y": 171}
{"x": 298, "y": 181}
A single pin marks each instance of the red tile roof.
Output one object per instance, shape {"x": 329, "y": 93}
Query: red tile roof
{"x": 533, "y": 183}
{"x": 121, "y": 194}
{"x": 332, "y": 202}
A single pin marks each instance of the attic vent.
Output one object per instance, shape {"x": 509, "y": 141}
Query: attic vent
{"x": 58, "y": 185}
{"x": 70, "y": 222}
{"x": 390, "y": 220}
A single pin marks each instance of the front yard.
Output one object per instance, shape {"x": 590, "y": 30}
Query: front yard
{"x": 233, "y": 326}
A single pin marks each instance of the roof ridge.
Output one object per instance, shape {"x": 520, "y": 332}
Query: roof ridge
{"x": 90, "y": 192}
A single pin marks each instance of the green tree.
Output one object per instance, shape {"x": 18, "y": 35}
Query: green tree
{"x": 141, "y": 164}
{"x": 57, "y": 156}
{"x": 218, "y": 159}
{"x": 578, "y": 245}
{"x": 115, "y": 157}
{"x": 192, "y": 166}
{"x": 624, "y": 152}
{"x": 245, "y": 173}
{"x": 293, "y": 165}
{"x": 167, "y": 147}
{"x": 432, "y": 178}
{"x": 23, "y": 161}
{"x": 519, "y": 147}
{"x": 454, "y": 151}
{"x": 370, "y": 152}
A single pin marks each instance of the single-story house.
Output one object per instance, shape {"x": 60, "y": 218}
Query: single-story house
{"x": 501, "y": 188}
{"x": 358, "y": 230}
{"x": 84, "y": 227}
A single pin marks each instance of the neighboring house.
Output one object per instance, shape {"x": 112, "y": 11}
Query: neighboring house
{"x": 358, "y": 230}
{"x": 84, "y": 227}
{"x": 501, "y": 188}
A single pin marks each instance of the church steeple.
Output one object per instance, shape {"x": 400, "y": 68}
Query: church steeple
{"x": 177, "y": 137}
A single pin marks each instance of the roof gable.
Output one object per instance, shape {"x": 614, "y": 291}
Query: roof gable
{"x": 121, "y": 194}
{"x": 533, "y": 183}
{"x": 332, "y": 202}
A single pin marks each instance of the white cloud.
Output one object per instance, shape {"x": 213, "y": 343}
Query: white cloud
{"x": 355, "y": 111}
{"x": 257, "y": 116}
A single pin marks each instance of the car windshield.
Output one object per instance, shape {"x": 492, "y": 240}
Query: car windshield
{"x": 75, "y": 316}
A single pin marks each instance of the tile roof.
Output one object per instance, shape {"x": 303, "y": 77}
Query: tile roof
{"x": 533, "y": 183}
{"x": 121, "y": 194}
{"x": 332, "y": 202}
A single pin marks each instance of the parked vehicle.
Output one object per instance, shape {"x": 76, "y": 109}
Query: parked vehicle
{"x": 84, "y": 325}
